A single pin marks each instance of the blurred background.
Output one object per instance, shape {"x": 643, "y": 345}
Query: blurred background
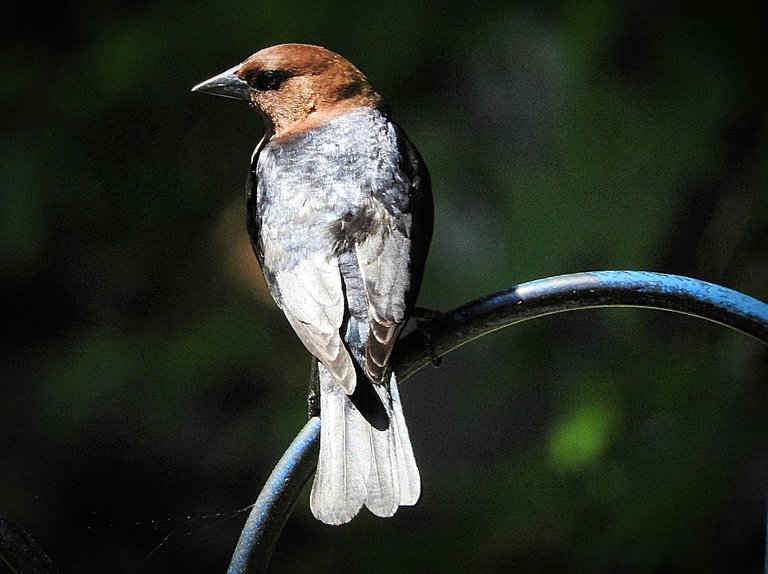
{"x": 148, "y": 384}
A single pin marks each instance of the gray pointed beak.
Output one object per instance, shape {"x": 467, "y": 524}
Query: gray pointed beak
{"x": 226, "y": 84}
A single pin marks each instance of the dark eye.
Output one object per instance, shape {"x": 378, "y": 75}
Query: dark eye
{"x": 269, "y": 80}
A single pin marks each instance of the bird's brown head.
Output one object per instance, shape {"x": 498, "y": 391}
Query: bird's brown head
{"x": 295, "y": 86}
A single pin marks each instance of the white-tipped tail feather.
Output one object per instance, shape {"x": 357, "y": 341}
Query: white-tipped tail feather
{"x": 359, "y": 464}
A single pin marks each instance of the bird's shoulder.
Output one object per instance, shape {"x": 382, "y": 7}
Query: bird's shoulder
{"x": 360, "y": 132}
{"x": 354, "y": 172}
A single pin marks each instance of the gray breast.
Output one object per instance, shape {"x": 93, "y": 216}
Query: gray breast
{"x": 310, "y": 182}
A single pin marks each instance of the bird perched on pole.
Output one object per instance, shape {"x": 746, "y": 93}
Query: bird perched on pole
{"x": 339, "y": 213}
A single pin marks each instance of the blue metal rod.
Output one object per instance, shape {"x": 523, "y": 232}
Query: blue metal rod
{"x": 276, "y": 500}
{"x": 473, "y": 320}
{"x": 583, "y": 291}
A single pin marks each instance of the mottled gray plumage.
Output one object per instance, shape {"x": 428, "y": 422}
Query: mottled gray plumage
{"x": 331, "y": 213}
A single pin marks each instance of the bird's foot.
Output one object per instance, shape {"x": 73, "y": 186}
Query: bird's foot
{"x": 424, "y": 318}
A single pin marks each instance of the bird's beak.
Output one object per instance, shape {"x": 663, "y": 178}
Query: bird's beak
{"x": 226, "y": 84}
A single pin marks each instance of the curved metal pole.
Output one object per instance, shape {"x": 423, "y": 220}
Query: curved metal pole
{"x": 480, "y": 317}
{"x": 583, "y": 291}
{"x": 276, "y": 501}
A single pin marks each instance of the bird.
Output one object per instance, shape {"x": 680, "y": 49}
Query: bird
{"x": 340, "y": 216}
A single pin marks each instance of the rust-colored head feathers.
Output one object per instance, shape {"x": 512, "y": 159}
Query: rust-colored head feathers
{"x": 295, "y": 86}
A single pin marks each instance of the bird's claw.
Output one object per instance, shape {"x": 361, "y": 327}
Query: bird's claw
{"x": 424, "y": 319}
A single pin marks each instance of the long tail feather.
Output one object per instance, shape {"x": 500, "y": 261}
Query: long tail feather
{"x": 361, "y": 464}
{"x": 410, "y": 480}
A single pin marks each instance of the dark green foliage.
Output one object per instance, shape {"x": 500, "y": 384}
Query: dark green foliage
{"x": 146, "y": 375}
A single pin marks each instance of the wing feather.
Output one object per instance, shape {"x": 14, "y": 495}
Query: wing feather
{"x": 312, "y": 299}
{"x": 383, "y": 260}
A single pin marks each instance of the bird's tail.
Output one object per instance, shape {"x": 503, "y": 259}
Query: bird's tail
{"x": 365, "y": 452}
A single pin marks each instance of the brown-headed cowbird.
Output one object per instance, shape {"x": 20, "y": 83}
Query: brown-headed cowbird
{"x": 340, "y": 217}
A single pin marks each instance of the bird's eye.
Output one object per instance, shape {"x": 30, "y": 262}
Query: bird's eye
{"x": 269, "y": 80}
